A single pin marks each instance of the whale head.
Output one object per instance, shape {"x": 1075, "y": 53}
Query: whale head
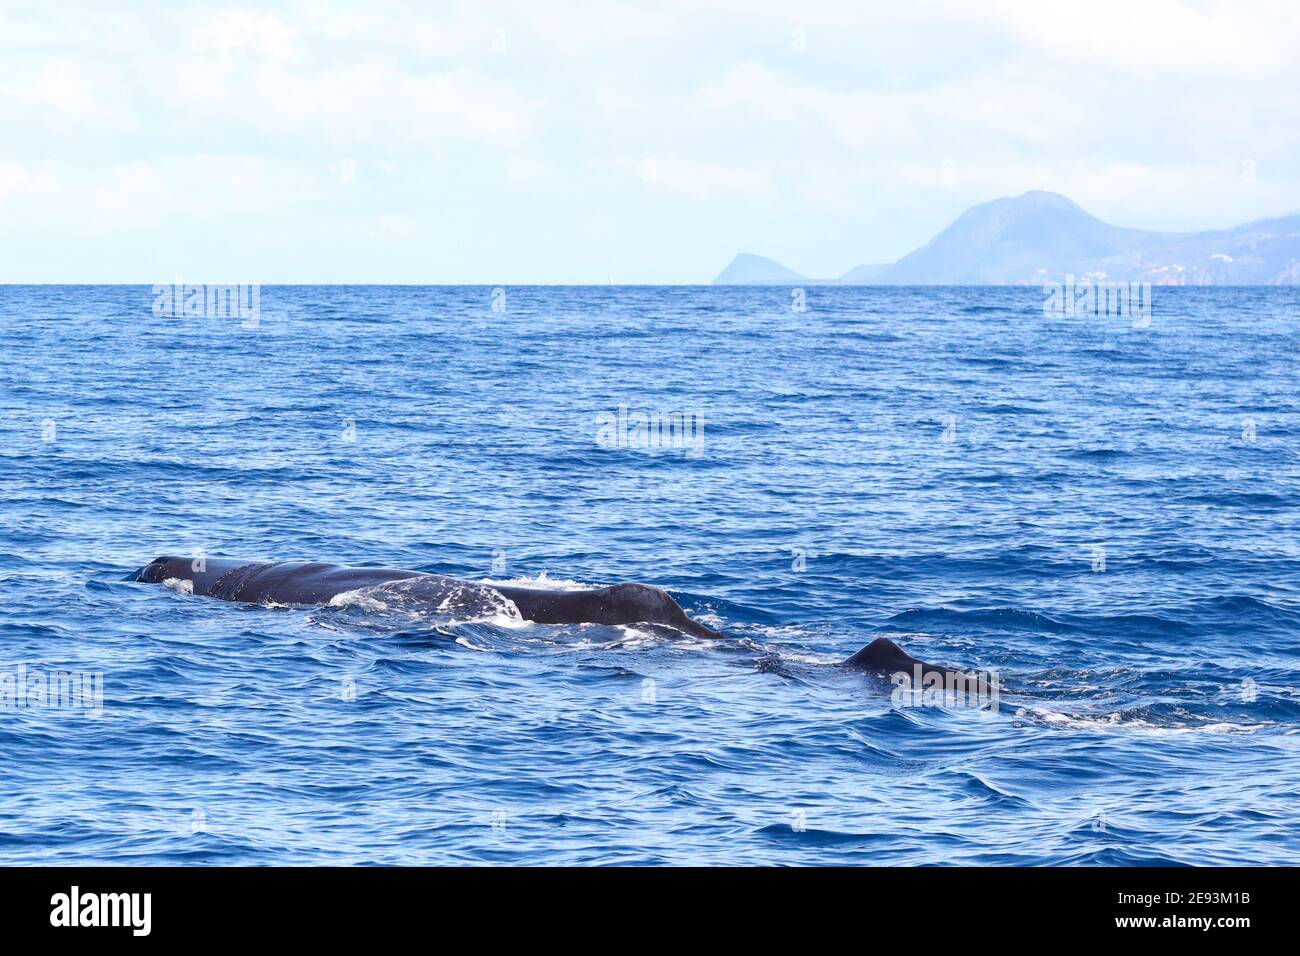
{"x": 166, "y": 568}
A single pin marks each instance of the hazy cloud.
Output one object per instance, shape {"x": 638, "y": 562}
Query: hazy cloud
{"x": 509, "y": 142}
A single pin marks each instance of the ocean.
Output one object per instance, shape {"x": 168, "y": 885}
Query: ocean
{"x": 1102, "y": 512}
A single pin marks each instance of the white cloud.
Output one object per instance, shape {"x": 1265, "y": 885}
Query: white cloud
{"x": 166, "y": 117}
{"x": 16, "y": 178}
{"x": 346, "y": 170}
{"x": 702, "y": 181}
{"x": 1165, "y": 36}
{"x": 235, "y": 31}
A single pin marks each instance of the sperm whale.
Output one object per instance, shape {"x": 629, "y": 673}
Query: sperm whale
{"x": 289, "y": 582}
{"x": 304, "y": 583}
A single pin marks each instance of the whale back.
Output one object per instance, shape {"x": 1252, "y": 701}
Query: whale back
{"x": 617, "y": 604}
{"x": 883, "y": 656}
{"x": 288, "y": 582}
{"x": 280, "y": 582}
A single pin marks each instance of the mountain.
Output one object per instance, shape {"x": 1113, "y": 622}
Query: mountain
{"x": 1042, "y": 236}
{"x": 747, "y": 269}
{"x": 863, "y": 275}
{"x": 756, "y": 270}
{"x": 1010, "y": 240}
{"x": 1266, "y": 252}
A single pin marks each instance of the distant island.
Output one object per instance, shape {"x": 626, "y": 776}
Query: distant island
{"x": 1042, "y": 236}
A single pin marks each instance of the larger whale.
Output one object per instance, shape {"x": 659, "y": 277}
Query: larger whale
{"x": 297, "y": 582}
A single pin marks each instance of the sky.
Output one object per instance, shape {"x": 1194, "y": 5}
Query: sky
{"x": 512, "y": 143}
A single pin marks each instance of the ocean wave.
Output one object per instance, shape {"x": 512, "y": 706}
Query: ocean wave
{"x": 898, "y": 462}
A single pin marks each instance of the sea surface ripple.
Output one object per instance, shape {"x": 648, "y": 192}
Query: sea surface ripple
{"x": 1107, "y": 517}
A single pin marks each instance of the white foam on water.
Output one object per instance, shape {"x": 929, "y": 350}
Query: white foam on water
{"x": 179, "y": 585}
{"x": 767, "y": 638}
{"x": 807, "y": 657}
{"x": 363, "y": 598}
{"x": 633, "y": 638}
{"x": 541, "y": 581}
{"x": 461, "y": 605}
{"x": 467, "y": 601}
{"x": 1117, "y": 722}
{"x": 508, "y": 618}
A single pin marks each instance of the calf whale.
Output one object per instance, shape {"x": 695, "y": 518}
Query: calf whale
{"x": 296, "y": 582}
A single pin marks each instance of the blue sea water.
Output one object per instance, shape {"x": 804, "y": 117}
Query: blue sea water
{"x": 1104, "y": 516}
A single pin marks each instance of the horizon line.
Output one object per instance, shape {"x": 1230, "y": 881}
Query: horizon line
{"x": 819, "y": 283}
